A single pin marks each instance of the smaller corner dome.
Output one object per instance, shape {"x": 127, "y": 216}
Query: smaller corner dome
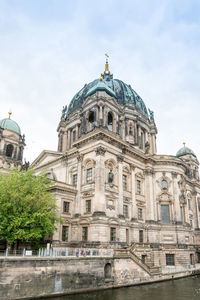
{"x": 10, "y": 125}
{"x": 185, "y": 151}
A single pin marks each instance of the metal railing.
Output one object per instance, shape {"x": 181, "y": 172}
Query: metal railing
{"x": 53, "y": 252}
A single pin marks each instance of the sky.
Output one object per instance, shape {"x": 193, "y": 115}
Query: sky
{"x": 50, "y": 48}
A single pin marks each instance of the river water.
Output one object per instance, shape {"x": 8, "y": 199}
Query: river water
{"x": 181, "y": 289}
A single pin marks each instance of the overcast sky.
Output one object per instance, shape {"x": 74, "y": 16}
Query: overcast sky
{"x": 50, "y": 48}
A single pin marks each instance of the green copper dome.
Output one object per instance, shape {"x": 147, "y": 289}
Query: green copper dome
{"x": 185, "y": 151}
{"x": 122, "y": 92}
{"x": 10, "y": 125}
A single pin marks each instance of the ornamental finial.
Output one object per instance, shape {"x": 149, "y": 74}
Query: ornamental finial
{"x": 107, "y": 65}
{"x": 10, "y": 113}
{"x": 184, "y": 143}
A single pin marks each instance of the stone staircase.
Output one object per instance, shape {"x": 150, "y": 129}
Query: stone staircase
{"x": 130, "y": 253}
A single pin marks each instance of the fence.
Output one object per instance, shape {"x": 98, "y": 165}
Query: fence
{"x": 53, "y": 252}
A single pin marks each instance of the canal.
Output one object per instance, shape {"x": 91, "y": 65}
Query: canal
{"x": 181, "y": 289}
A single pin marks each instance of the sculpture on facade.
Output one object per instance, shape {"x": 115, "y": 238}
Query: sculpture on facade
{"x": 110, "y": 177}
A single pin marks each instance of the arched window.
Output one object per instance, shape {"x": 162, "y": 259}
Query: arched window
{"x": 130, "y": 130}
{"x": 164, "y": 184}
{"x": 110, "y": 121}
{"x": 107, "y": 271}
{"x": 91, "y": 118}
{"x": 9, "y": 150}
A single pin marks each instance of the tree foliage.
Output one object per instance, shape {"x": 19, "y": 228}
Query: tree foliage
{"x": 27, "y": 209}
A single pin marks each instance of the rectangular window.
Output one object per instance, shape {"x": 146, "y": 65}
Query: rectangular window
{"x": 165, "y": 216}
{"x": 140, "y": 215}
{"x": 125, "y": 211}
{"x": 198, "y": 257}
{"x": 89, "y": 175}
{"x": 88, "y": 206}
{"x": 141, "y": 236}
{"x": 124, "y": 182}
{"x": 138, "y": 187}
{"x": 84, "y": 233}
{"x": 66, "y": 205}
{"x": 75, "y": 179}
{"x": 112, "y": 234}
{"x": 170, "y": 260}
{"x": 73, "y": 136}
{"x": 65, "y": 233}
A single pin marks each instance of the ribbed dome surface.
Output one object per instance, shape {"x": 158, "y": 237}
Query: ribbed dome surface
{"x": 10, "y": 125}
{"x": 185, "y": 151}
{"x": 122, "y": 92}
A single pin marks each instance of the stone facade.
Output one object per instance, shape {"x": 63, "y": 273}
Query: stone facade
{"x": 112, "y": 189}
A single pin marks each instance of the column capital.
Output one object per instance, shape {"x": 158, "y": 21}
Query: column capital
{"x": 149, "y": 171}
{"x": 100, "y": 151}
{"x": 80, "y": 157}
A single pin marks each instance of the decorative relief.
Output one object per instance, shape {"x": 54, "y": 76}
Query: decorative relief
{"x": 100, "y": 151}
{"x": 120, "y": 158}
{"x": 80, "y": 157}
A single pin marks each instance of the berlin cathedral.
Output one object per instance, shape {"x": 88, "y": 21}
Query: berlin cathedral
{"x": 112, "y": 189}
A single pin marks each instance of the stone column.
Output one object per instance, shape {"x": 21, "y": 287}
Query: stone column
{"x": 134, "y": 206}
{"x": 150, "y": 214}
{"x": 99, "y": 198}
{"x": 197, "y": 208}
{"x": 64, "y": 141}
{"x": 78, "y": 200}
{"x": 68, "y": 139}
{"x": 177, "y": 211}
{"x": 120, "y": 159}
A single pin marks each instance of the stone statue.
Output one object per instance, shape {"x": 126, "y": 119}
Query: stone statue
{"x": 64, "y": 111}
{"x": 110, "y": 177}
{"x": 25, "y": 166}
{"x": 151, "y": 113}
{"x": 147, "y": 147}
{"x": 23, "y": 138}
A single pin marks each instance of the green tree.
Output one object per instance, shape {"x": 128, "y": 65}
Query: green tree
{"x": 27, "y": 209}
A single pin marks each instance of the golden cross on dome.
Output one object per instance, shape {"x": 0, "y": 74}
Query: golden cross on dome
{"x": 106, "y": 65}
{"x": 10, "y": 113}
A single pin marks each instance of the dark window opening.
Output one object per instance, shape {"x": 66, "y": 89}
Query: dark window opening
{"x": 91, "y": 118}
{"x": 84, "y": 233}
{"x": 170, "y": 260}
{"x": 88, "y": 206}
{"x": 141, "y": 236}
{"x": 65, "y": 233}
{"x": 110, "y": 121}
{"x": 112, "y": 234}
{"x": 107, "y": 271}
{"x": 9, "y": 150}
{"x": 66, "y": 205}
{"x": 143, "y": 258}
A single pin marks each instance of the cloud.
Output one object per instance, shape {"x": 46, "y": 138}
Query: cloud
{"x": 50, "y": 51}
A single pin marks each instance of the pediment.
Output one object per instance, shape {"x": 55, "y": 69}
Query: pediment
{"x": 45, "y": 157}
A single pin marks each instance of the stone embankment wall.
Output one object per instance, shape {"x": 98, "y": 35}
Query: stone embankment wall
{"x": 29, "y": 278}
